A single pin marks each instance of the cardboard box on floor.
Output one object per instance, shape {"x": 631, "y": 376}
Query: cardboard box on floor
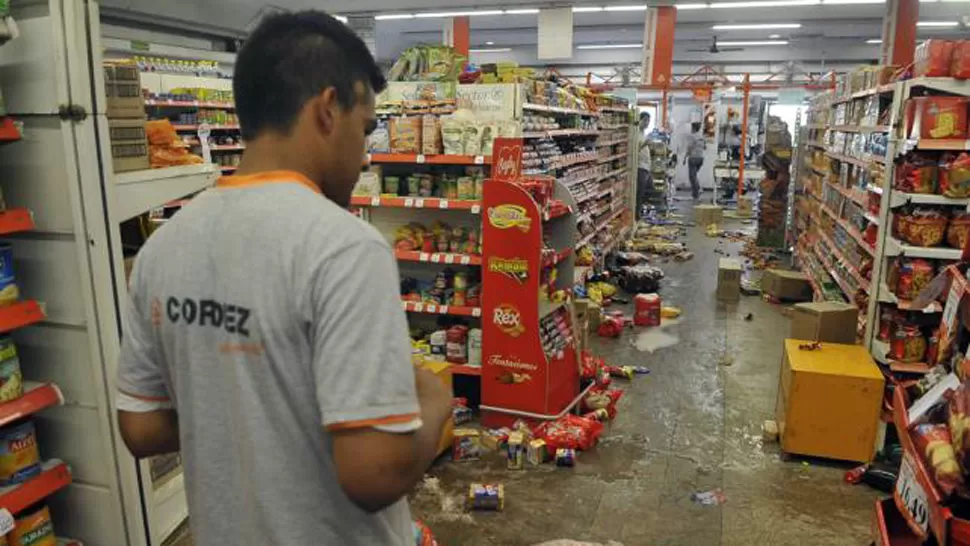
{"x": 829, "y": 401}
{"x": 828, "y": 321}
{"x": 706, "y": 215}
{"x": 786, "y": 285}
{"x": 729, "y": 279}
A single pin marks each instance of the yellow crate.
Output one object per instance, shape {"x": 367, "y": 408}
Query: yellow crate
{"x": 829, "y": 401}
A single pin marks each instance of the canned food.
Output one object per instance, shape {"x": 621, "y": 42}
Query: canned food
{"x": 486, "y": 496}
{"x": 33, "y": 527}
{"x": 9, "y": 293}
{"x": 19, "y": 456}
{"x": 11, "y": 380}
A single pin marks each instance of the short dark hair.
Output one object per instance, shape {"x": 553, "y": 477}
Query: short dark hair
{"x": 292, "y": 57}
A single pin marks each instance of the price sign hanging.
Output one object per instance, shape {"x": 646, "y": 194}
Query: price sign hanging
{"x": 911, "y": 498}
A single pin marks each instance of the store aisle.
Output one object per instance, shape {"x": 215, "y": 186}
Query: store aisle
{"x": 693, "y": 424}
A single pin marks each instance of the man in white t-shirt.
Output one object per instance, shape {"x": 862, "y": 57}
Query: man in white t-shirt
{"x": 264, "y": 336}
{"x": 645, "y": 166}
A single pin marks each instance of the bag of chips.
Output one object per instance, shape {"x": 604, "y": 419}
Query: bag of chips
{"x": 570, "y": 432}
{"x": 934, "y": 443}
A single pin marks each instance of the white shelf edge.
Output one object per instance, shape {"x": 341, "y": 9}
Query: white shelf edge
{"x": 138, "y": 192}
{"x": 170, "y": 508}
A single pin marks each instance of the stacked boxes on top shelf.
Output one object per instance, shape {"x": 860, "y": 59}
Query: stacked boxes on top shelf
{"x": 126, "y": 117}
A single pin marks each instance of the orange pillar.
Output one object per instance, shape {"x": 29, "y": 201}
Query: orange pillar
{"x": 746, "y": 84}
{"x": 899, "y": 32}
{"x": 458, "y": 34}
{"x": 658, "y": 45}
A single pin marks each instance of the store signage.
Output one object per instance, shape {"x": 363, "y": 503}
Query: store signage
{"x": 511, "y": 362}
{"x": 507, "y": 159}
{"x": 508, "y": 319}
{"x": 911, "y": 498}
{"x": 510, "y": 216}
{"x": 514, "y": 268}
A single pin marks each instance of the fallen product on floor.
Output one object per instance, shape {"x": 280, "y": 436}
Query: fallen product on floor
{"x": 713, "y": 497}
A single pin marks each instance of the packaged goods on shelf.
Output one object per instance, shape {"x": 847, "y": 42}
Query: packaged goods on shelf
{"x": 446, "y": 288}
{"x": 19, "y": 454}
{"x": 33, "y": 526}
{"x": 427, "y": 63}
{"x": 440, "y": 238}
{"x": 936, "y": 58}
{"x": 191, "y": 95}
{"x": 937, "y": 117}
{"x": 177, "y": 66}
{"x": 122, "y": 83}
{"x": 166, "y": 148}
{"x": 11, "y": 378}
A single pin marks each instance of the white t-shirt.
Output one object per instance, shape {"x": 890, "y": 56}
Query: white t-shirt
{"x": 646, "y": 162}
{"x": 269, "y": 316}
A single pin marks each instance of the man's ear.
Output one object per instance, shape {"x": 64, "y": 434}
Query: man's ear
{"x": 325, "y": 109}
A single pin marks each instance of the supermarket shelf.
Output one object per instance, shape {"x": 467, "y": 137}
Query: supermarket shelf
{"x": 554, "y": 259}
{"x": 939, "y": 144}
{"x": 558, "y": 110}
{"x": 228, "y": 168}
{"x": 948, "y": 85}
{"x": 434, "y": 309}
{"x": 558, "y": 211}
{"x": 191, "y": 104}
{"x": 616, "y": 172}
{"x": 889, "y": 528}
{"x": 466, "y": 370}
{"x": 852, "y": 231}
{"x": 863, "y": 162}
{"x": 612, "y": 142}
{"x": 9, "y": 130}
{"x": 214, "y": 127}
{"x": 418, "y": 203}
{"x": 170, "y": 508}
{"x": 855, "y": 197}
{"x": 887, "y": 88}
{"x": 820, "y": 145}
{"x": 561, "y": 133}
{"x": 886, "y": 296}
{"x": 611, "y": 158}
{"x": 439, "y": 159}
{"x": 861, "y": 128}
{"x": 575, "y": 161}
{"x": 54, "y": 476}
{"x": 20, "y": 314}
{"x": 870, "y": 217}
{"x": 16, "y": 220}
{"x": 620, "y": 109}
{"x": 900, "y": 198}
{"x": 895, "y": 248}
{"x": 138, "y": 192}
{"x": 226, "y": 147}
{"x": 874, "y": 189}
{"x": 860, "y": 281}
{"x": 37, "y": 397}
{"x": 438, "y": 257}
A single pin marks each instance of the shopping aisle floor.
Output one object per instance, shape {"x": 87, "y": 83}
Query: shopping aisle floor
{"x": 693, "y": 424}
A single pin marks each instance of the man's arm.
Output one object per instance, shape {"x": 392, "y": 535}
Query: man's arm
{"x": 384, "y": 422}
{"x": 149, "y": 433}
{"x": 377, "y": 468}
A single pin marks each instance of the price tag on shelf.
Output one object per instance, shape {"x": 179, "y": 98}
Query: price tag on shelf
{"x": 443, "y": 309}
{"x": 479, "y": 160}
{"x": 476, "y": 209}
{"x": 435, "y": 258}
{"x": 432, "y": 308}
{"x": 408, "y": 202}
{"x": 6, "y": 521}
{"x": 418, "y": 307}
{"x": 424, "y": 257}
{"x": 419, "y": 203}
{"x": 405, "y": 305}
{"x": 443, "y": 204}
{"x": 910, "y": 492}
{"x": 421, "y": 159}
{"x": 375, "y": 201}
{"x": 465, "y": 260}
{"x": 449, "y": 258}
{"x": 477, "y": 312}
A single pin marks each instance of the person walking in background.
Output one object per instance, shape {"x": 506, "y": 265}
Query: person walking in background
{"x": 644, "y": 177}
{"x": 694, "y": 158}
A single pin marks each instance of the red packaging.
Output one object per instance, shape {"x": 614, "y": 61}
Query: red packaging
{"x": 932, "y": 58}
{"x": 456, "y": 346}
{"x": 908, "y": 345}
{"x": 960, "y": 64}
{"x": 937, "y": 117}
{"x": 570, "y": 432}
{"x": 648, "y": 308}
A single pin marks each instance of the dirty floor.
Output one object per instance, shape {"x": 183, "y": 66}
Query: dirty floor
{"x": 693, "y": 424}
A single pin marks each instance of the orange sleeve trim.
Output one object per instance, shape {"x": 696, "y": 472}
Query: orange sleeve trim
{"x": 146, "y": 398}
{"x": 268, "y": 177}
{"x": 366, "y": 423}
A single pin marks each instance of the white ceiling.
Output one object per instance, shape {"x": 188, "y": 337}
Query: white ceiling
{"x": 831, "y": 36}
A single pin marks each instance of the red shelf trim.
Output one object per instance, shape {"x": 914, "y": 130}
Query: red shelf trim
{"x": 438, "y": 257}
{"x": 36, "y": 399}
{"x": 20, "y": 314}
{"x": 56, "y": 476}
{"x": 16, "y": 220}
{"x": 417, "y": 203}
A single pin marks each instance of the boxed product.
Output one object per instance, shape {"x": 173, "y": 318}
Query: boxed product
{"x": 787, "y": 285}
{"x": 129, "y": 147}
{"x": 829, "y": 400}
{"x": 406, "y": 134}
{"x": 729, "y": 279}
{"x": 832, "y": 322}
{"x": 937, "y": 117}
{"x": 430, "y": 135}
{"x": 122, "y": 87}
{"x": 467, "y": 445}
{"x": 706, "y": 215}
{"x": 932, "y": 58}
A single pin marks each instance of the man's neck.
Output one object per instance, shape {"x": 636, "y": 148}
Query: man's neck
{"x": 271, "y": 153}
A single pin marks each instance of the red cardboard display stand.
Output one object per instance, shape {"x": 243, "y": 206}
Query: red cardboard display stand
{"x": 519, "y": 380}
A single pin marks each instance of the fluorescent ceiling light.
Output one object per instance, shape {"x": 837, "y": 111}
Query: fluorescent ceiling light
{"x": 527, "y": 11}
{"x": 610, "y": 46}
{"x": 765, "y": 4}
{"x": 340, "y": 18}
{"x": 489, "y": 43}
{"x": 691, "y": 6}
{"x": 774, "y": 36}
{"x": 766, "y": 26}
{"x": 874, "y": 41}
{"x": 754, "y": 43}
{"x": 641, "y": 7}
{"x": 588, "y": 9}
{"x": 393, "y": 16}
{"x": 437, "y": 14}
{"x": 844, "y": 2}
{"x": 937, "y": 24}
{"x": 491, "y": 50}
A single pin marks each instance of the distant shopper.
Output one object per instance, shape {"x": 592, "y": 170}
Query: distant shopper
{"x": 264, "y": 335}
{"x": 694, "y": 158}
{"x": 644, "y": 176}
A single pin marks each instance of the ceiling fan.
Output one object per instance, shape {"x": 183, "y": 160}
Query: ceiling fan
{"x": 715, "y": 49}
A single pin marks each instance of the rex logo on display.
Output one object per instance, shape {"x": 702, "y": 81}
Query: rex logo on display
{"x": 510, "y": 216}
{"x": 508, "y": 319}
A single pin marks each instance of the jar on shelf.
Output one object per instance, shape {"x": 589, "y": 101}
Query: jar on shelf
{"x": 908, "y": 344}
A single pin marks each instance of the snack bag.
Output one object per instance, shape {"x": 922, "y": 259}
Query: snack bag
{"x": 959, "y": 421}
{"x": 960, "y": 63}
{"x": 160, "y": 132}
{"x": 934, "y": 443}
{"x": 570, "y": 431}
{"x": 932, "y": 58}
